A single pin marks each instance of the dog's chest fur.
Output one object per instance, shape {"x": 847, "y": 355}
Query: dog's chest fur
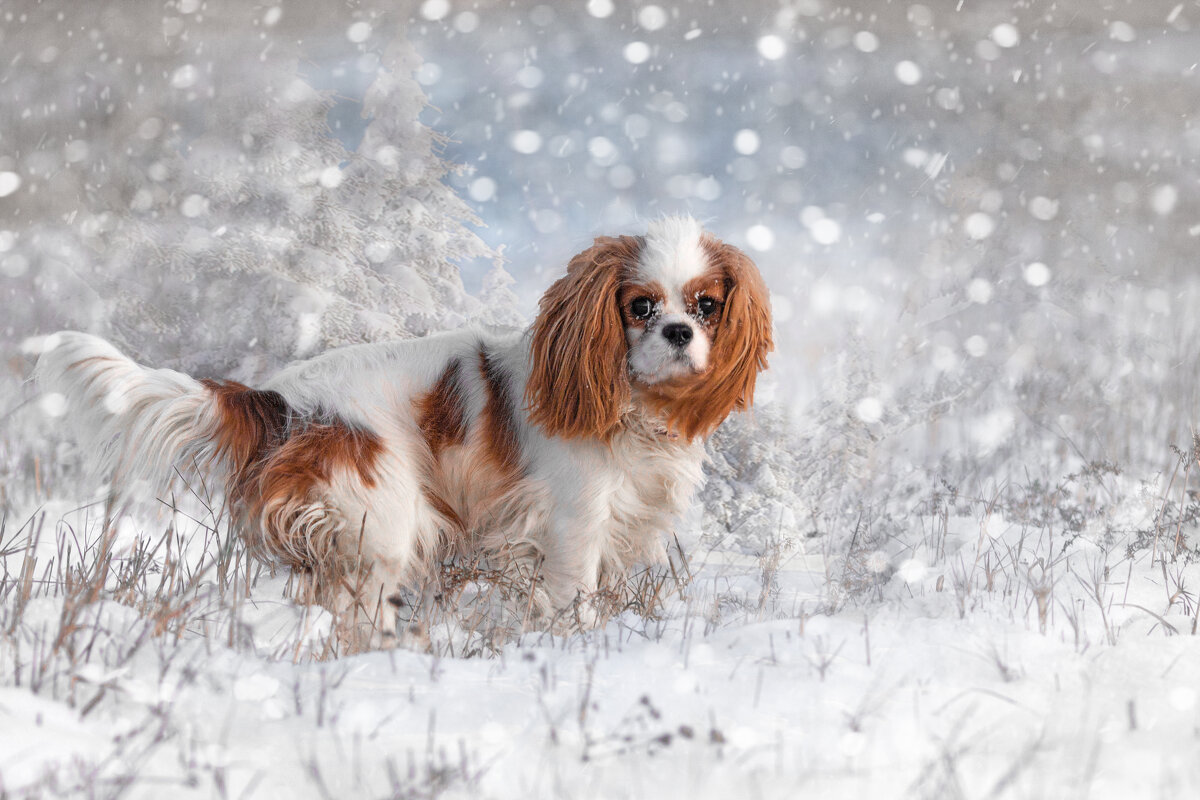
{"x": 651, "y": 478}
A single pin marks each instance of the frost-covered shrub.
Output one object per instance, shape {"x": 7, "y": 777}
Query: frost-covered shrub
{"x": 776, "y": 477}
{"x": 185, "y": 194}
{"x": 751, "y": 495}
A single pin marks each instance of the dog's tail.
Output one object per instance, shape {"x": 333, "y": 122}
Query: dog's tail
{"x": 139, "y": 424}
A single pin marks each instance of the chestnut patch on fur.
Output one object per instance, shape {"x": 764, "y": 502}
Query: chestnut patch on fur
{"x": 579, "y": 380}
{"x": 712, "y": 285}
{"x": 632, "y": 291}
{"x": 313, "y": 454}
{"x": 278, "y": 461}
{"x": 441, "y": 418}
{"x": 285, "y": 486}
{"x": 252, "y": 422}
{"x": 440, "y": 413}
{"x": 499, "y": 419}
{"x": 441, "y": 505}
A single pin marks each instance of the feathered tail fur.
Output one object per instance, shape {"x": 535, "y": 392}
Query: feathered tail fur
{"x": 139, "y": 425}
{"x": 136, "y": 423}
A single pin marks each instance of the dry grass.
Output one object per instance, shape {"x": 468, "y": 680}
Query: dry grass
{"x": 196, "y": 575}
{"x": 80, "y": 599}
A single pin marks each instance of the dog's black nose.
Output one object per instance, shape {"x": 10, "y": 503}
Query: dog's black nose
{"x": 678, "y": 333}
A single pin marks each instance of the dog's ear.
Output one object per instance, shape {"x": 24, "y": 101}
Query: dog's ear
{"x": 739, "y": 351}
{"x": 579, "y": 384}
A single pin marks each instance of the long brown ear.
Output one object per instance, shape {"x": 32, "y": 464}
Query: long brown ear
{"x": 579, "y": 382}
{"x": 739, "y": 352}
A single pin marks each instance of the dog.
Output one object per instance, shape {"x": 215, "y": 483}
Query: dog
{"x": 569, "y": 448}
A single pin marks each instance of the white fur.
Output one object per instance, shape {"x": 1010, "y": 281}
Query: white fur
{"x": 136, "y": 423}
{"x": 672, "y": 255}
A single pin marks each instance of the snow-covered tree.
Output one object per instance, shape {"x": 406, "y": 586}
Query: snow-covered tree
{"x": 210, "y": 217}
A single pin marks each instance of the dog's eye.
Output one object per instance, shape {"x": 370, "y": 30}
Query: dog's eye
{"x": 706, "y": 306}
{"x": 641, "y": 307}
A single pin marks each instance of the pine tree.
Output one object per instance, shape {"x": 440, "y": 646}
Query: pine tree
{"x": 222, "y": 225}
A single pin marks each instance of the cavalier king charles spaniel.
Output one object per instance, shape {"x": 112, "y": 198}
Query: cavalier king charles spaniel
{"x": 569, "y": 448}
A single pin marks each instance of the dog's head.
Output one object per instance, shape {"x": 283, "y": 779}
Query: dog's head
{"x": 676, "y": 321}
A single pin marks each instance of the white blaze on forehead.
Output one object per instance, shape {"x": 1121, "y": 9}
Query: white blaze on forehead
{"x": 672, "y": 255}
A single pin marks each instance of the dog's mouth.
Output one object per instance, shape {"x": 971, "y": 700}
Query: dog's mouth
{"x": 678, "y": 372}
{"x": 684, "y": 360}
{"x": 654, "y": 362}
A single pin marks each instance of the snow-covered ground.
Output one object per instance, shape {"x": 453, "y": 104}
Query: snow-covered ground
{"x": 951, "y": 554}
{"x": 993, "y": 662}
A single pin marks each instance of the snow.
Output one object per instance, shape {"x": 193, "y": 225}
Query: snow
{"x": 980, "y": 225}
{"x": 760, "y": 238}
{"x": 950, "y": 553}
{"x": 9, "y": 183}
{"x": 361, "y": 31}
{"x": 600, "y": 8}
{"x": 869, "y": 409}
{"x": 526, "y": 142}
{"x": 955, "y": 678}
{"x": 1037, "y": 274}
{"x": 908, "y": 73}
{"x": 772, "y": 47}
{"x": 637, "y": 52}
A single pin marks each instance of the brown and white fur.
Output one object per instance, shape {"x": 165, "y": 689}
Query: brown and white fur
{"x": 574, "y": 444}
